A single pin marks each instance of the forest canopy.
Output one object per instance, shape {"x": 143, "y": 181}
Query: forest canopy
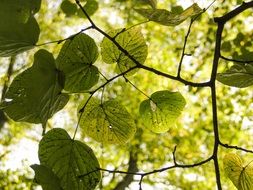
{"x": 126, "y": 94}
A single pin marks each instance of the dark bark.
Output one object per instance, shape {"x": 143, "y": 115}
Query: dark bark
{"x": 132, "y": 167}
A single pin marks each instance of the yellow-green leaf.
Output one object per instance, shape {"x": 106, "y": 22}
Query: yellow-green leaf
{"x": 109, "y": 122}
{"x": 132, "y": 41}
{"x": 161, "y": 111}
{"x": 241, "y": 175}
{"x": 167, "y": 18}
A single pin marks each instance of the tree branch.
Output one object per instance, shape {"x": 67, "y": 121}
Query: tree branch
{"x": 235, "y": 147}
{"x": 234, "y": 60}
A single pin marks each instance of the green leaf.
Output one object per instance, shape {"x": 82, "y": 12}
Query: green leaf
{"x": 72, "y": 161}
{"x": 46, "y": 178}
{"x": 226, "y": 46}
{"x": 152, "y": 3}
{"x": 161, "y": 111}
{"x": 35, "y": 5}
{"x": 18, "y": 37}
{"x": 35, "y": 94}
{"x": 15, "y": 10}
{"x": 91, "y": 6}
{"x": 167, "y": 18}
{"x": 132, "y": 41}
{"x": 239, "y": 75}
{"x": 241, "y": 176}
{"x": 108, "y": 122}
{"x": 68, "y": 8}
{"x": 75, "y": 61}
{"x": 19, "y": 30}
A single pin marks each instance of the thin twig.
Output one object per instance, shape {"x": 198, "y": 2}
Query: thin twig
{"x": 62, "y": 40}
{"x": 235, "y": 60}
{"x": 235, "y": 147}
{"x": 184, "y": 47}
{"x": 81, "y": 111}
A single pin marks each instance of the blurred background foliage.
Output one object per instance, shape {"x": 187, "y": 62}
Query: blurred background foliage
{"x": 147, "y": 151}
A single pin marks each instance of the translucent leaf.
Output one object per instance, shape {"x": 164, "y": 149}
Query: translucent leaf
{"x": 167, "y": 18}
{"x": 132, "y": 41}
{"x": 19, "y": 30}
{"x": 35, "y": 94}
{"x": 108, "y": 122}
{"x": 68, "y": 8}
{"x": 241, "y": 176}
{"x": 72, "y": 161}
{"x": 91, "y": 6}
{"x": 46, "y": 178}
{"x": 161, "y": 111}
{"x": 238, "y": 75}
{"x": 75, "y": 61}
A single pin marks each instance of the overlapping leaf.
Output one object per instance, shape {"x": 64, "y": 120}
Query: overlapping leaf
{"x": 91, "y": 6}
{"x": 168, "y": 18}
{"x": 108, "y": 122}
{"x": 68, "y": 7}
{"x": 161, "y": 111}
{"x": 152, "y": 3}
{"x": 73, "y": 162}
{"x": 241, "y": 176}
{"x": 35, "y": 94}
{"x": 75, "y": 61}
{"x": 239, "y": 75}
{"x": 46, "y": 178}
{"x": 130, "y": 40}
{"x": 19, "y": 30}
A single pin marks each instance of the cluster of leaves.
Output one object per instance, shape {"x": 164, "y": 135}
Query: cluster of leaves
{"x": 71, "y": 9}
{"x": 37, "y": 93}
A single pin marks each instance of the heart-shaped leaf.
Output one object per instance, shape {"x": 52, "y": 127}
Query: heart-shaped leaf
{"x": 68, "y": 7}
{"x": 108, "y": 122}
{"x": 161, "y": 111}
{"x": 19, "y": 30}
{"x": 240, "y": 175}
{"x": 91, "y": 6}
{"x": 239, "y": 75}
{"x": 168, "y": 18}
{"x": 46, "y": 178}
{"x": 35, "y": 94}
{"x": 75, "y": 61}
{"x": 132, "y": 41}
{"x": 73, "y": 162}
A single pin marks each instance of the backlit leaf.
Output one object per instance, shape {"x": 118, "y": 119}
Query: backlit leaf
{"x": 70, "y": 160}
{"x": 168, "y": 18}
{"x": 240, "y": 175}
{"x": 46, "y": 178}
{"x": 108, "y": 122}
{"x": 75, "y": 61}
{"x": 35, "y": 94}
{"x": 161, "y": 111}
{"x": 68, "y": 8}
{"x": 238, "y": 75}
{"x": 132, "y": 41}
{"x": 91, "y": 6}
{"x": 19, "y": 30}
